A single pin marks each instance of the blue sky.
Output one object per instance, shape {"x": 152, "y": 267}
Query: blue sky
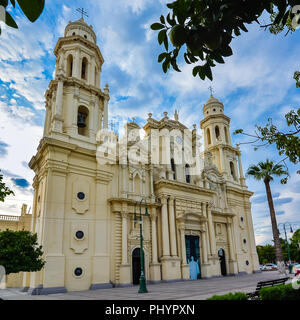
{"x": 254, "y": 84}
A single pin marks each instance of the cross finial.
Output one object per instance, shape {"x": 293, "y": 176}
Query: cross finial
{"x": 82, "y": 12}
{"x": 211, "y": 90}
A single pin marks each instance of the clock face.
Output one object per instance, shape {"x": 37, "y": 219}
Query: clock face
{"x": 178, "y": 139}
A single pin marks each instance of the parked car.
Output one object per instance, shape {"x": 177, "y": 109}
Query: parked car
{"x": 270, "y": 267}
{"x": 296, "y": 268}
{"x": 261, "y": 267}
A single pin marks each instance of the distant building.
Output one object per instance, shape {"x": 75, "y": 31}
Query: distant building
{"x": 89, "y": 183}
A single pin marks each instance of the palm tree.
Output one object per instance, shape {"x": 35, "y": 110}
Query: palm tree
{"x": 265, "y": 171}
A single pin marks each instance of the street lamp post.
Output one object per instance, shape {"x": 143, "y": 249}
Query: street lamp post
{"x": 143, "y": 287}
{"x": 288, "y": 247}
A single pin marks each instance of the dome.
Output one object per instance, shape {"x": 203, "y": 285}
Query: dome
{"x": 213, "y": 106}
{"x": 81, "y": 28}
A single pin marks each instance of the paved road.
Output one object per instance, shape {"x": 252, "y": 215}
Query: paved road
{"x": 183, "y": 290}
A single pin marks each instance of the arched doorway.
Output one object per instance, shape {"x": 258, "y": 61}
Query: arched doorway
{"x": 193, "y": 251}
{"x": 136, "y": 265}
{"x": 221, "y": 254}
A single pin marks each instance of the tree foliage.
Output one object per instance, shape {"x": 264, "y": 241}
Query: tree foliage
{"x": 4, "y": 190}
{"x": 287, "y": 142}
{"x": 19, "y": 251}
{"x": 205, "y": 28}
{"x": 31, "y": 8}
{"x": 266, "y": 253}
{"x": 265, "y": 171}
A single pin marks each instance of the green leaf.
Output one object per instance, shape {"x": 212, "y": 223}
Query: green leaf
{"x": 208, "y": 71}
{"x": 201, "y": 72}
{"x": 165, "y": 65}
{"x": 157, "y": 26}
{"x": 161, "y": 36}
{"x": 166, "y": 43}
{"x": 32, "y": 8}
{"x": 174, "y": 64}
{"x": 196, "y": 70}
{"x": 217, "y": 57}
{"x": 162, "y": 19}
{"x": 10, "y": 21}
{"x": 226, "y": 51}
{"x": 171, "y": 22}
{"x": 162, "y": 56}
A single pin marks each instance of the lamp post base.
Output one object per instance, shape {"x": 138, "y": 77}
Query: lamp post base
{"x": 143, "y": 288}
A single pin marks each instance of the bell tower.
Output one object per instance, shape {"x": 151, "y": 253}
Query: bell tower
{"x": 76, "y": 108}
{"x": 217, "y": 141}
{"x": 71, "y": 187}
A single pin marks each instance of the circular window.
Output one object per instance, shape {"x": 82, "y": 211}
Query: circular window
{"x": 214, "y": 110}
{"x": 247, "y": 262}
{"x": 73, "y": 34}
{"x": 85, "y": 36}
{"x": 79, "y": 234}
{"x": 244, "y": 240}
{"x": 242, "y": 219}
{"x": 80, "y": 195}
{"x": 78, "y": 272}
{"x": 207, "y": 112}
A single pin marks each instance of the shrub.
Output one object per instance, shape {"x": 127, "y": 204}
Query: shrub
{"x": 282, "y": 292}
{"x": 230, "y": 296}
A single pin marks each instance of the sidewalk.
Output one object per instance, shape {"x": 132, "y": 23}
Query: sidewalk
{"x": 183, "y": 290}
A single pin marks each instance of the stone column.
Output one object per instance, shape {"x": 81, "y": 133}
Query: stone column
{"x": 154, "y": 236}
{"x": 124, "y": 181}
{"x": 183, "y": 248}
{"x": 57, "y": 119}
{"x": 151, "y": 181}
{"x": 155, "y": 272}
{"x": 125, "y": 266}
{"x": 124, "y": 238}
{"x": 211, "y": 232}
{"x": 185, "y": 274}
{"x": 91, "y": 72}
{"x": 242, "y": 178}
{"x": 105, "y": 116}
{"x": 59, "y": 97}
{"x": 165, "y": 226}
{"x": 173, "y": 241}
{"x": 76, "y": 64}
{"x": 232, "y": 260}
{"x": 204, "y": 247}
{"x": 222, "y": 163}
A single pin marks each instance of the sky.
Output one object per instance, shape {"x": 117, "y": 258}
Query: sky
{"x": 254, "y": 84}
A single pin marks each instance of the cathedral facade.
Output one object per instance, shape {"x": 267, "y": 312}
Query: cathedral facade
{"x": 93, "y": 191}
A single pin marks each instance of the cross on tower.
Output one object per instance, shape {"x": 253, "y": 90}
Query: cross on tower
{"x": 82, "y": 12}
{"x": 211, "y": 90}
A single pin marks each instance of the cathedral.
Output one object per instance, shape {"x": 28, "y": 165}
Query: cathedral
{"x": 95, "y": 193}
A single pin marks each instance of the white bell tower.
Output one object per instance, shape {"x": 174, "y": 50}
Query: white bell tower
{"x": 76, "y": 108}
{"x": 217, "y": 140}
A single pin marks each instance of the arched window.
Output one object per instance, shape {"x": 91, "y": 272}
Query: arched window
{"x": 208, "y": 136}
{"x": 226, "y": 135}
{"x": 187, "y": 174}
{"x": 84, "y": 68}
{"x": 232, "y": 170}
{"x": 83, "y": 121}
{"x": 173, "y": 167}
{"x": 70, "y": 66}
{"x": 217, "y": 132}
